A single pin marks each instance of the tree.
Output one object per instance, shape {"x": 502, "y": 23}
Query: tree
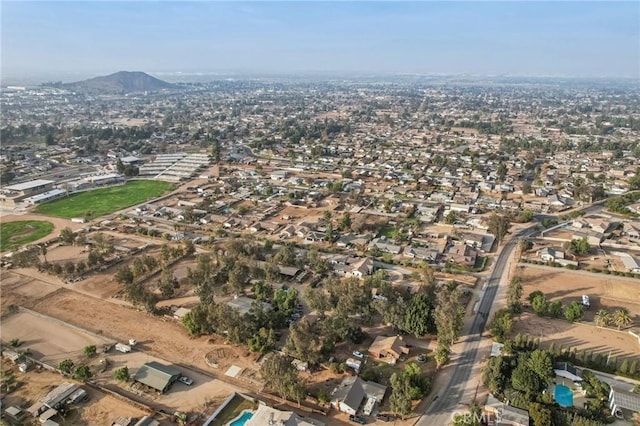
{"x": 188, "y": 246}
{"x": 124, "y": 275}
{"x": 81, "y": 267}
{"x": 69, "y": 267}
{"x": 82, "y": 372}
{"x": 90, "y": 350}
{"x": 501, "y": 325}
{"x": 400, "y": 399}
{"x": 448, "y": 316}
{"x": 540, "y": 415}
{"x": 579, "y": 246}
{"x": 526, "y": 380}
{"x": 345, "y": 222}
{"x": 540, "y": 305}
{"x": 574, "y": 311}
{"x": 622, "y": 318}
{"x": 602, "y": 318}
{"x": 316, "y": 299}
{"x": 442, "y": 355}
{"x": 554, "y": 309}
{"x": 43, "y": 252}
{"x": 418, "y": 317}
{"x": 67, "y": 235}
{"x": 451, "y": 217}
{"x": 263, "y": 341}
{"x": 498, "y": 225}
{"x": 66, "y": 366}
{"x": 514, "y": 296}
{"x": 501, "y": 172}
{"x": 49, "y": 139}
{"x": 122, "y": 374}
{"x": 280, "y": 375}
{"x": 472, "y": 418}
{"x": 167, "y": 283}
{"x": 303, "y": 341}
{"x": 541, "y": 362}
{"x": 215, "y": 150}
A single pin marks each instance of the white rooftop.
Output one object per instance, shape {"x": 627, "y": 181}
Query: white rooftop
{"x": 28, "y": 185}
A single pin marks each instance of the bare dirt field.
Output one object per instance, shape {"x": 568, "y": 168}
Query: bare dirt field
{"x": 162, "y": 337}
{"x": 48, "y": 340}
{"x": 16, "y": 286}
{"x": 579, "y": 336}
{"x": 101, "y": 409}
{"x": 61, "y": 254}
{"x": 604, "y": 291}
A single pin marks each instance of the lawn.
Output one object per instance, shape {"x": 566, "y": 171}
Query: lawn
{"x": 15, "y": 234}
{"x": 105, "y": 200}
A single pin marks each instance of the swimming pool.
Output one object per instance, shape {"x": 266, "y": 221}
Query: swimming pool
{"x": 240, "y": 421}
{"x": 563, "y": 395}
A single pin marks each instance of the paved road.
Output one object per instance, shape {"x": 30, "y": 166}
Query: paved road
{"x": 449, "y": 400}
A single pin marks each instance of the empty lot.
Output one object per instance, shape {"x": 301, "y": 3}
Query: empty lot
{"x": 604, "y": 291}
{"x": 48, "y": 340}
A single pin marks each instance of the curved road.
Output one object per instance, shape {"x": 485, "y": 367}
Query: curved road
{"x": 448, "y": 401}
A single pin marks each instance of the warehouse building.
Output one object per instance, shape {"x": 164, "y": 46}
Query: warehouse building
{"x": 157, "y": 376}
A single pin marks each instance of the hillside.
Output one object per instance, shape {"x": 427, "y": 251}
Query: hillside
{"x": 121, "y": 82}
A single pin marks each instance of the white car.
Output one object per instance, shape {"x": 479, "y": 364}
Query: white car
{"x": 358, "y": 354}
{"x": 187, "y": 381}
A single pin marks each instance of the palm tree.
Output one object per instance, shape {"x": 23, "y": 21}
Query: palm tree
{"x": 622, "y": 318}
{"x": 602, "y": 318}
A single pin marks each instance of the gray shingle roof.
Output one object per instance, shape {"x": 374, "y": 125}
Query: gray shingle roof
{"x": 624, "y": 399}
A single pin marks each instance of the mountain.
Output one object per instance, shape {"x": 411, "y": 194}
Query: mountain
{"x": 120, "y": 82}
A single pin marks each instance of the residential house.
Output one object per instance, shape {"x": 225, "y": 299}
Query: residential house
{"x": 504, "y": 414}
{"x": 385, "y": 246}
{"x": 631, "y": 264}
{"x": 244, "y": 304}
{"x": 354, "y": 266}
{"x": 549, "y": 254}
{"x": 422, "y": 253}
{"x": 388, "y": 349}
{"x": 461, "y": 254}
{"x": 352, "y": 392}
{"x": 623, "y": 404}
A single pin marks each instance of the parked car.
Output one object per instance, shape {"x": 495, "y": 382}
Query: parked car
{"x": 357, "y": 419}
{"x": 422, "y": 358}
{"x": 384, "y": 417}
{"x": 358, "y": 354}
{"x": 187, "y": 381}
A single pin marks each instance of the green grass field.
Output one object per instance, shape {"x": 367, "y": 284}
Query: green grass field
{"x": 105, "y": 200}
{"x": 15, "y": 234}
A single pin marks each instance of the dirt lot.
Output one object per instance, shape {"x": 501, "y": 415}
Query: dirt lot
{"x": 604, "y": 291}
{"x": 579, "y": 336}
{"x": 101, "y": 409}
{"x": 48, "y": 340}
{"x": 161, "y": 337}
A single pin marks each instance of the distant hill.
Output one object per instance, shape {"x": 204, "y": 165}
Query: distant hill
{"x": 120, "y": 82}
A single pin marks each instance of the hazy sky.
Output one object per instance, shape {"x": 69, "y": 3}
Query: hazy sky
{"x": 518, "y": 38}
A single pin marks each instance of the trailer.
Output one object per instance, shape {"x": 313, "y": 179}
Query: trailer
{"x": 123, "y": 348}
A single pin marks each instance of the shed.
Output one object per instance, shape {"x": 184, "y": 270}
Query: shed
{"x": 157, "y": 376}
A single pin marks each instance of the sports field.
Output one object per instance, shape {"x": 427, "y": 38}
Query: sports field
{"x": 105, "y": 200}
{"x": 15, "y": 234}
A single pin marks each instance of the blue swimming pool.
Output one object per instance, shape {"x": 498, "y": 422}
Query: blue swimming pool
{"x": 240, "y": 421}
{"x": 563, "y": 395}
